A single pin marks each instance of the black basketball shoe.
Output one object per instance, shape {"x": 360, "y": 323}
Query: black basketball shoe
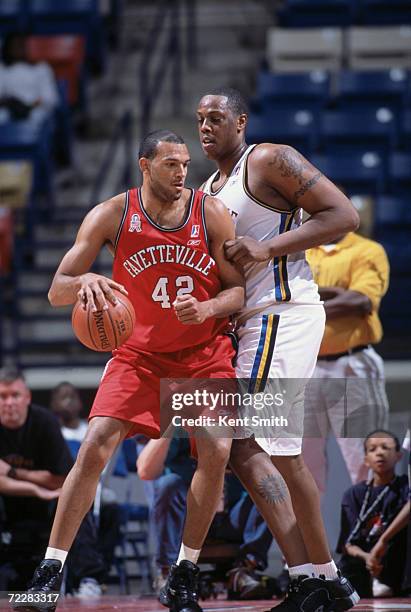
{"x": 43, "y": 590}
{"x": 318, "y": 595}
{"x": 180, "y": 592}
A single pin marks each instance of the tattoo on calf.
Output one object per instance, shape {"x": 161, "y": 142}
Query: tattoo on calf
{"x": 313, "y": 181}
{"x": 273, "y": 489}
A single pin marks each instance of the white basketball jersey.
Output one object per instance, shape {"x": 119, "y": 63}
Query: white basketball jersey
{"x": 283, "y": 280}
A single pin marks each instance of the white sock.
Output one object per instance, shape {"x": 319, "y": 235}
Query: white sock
{"x": 57, "y": 554}
{"x": 188, "y": 554}
{"x": 306, "y": 569}
{"x": 329, "y": 570}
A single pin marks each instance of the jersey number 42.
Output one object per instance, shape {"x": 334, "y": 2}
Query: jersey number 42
{"x": 184, "y": 284}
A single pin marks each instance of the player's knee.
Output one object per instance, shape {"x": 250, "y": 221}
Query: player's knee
{"x": 215, "y": 453}
{"x": 290, "y": 466}
{"x": 92, "y": 457}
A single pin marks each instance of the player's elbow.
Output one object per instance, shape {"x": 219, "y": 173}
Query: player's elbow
{"x": 350, "y": 220}
{"x": 52, "y": 297}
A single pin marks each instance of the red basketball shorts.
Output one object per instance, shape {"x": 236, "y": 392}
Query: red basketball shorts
{"x": 130, "y": 386}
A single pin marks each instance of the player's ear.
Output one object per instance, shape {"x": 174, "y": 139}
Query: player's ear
{"x": 241, "y": 122}
{"x": 143, "y": 162}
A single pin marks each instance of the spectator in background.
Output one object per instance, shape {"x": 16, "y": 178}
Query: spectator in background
{"x": 26, "y": 90}
{"x": 66, "y": 404}
{"x": 369, "y": 511}
{"x": 347, "y": 392}
{"x": 168, "y": 464}
{"x": 34, "y": 462}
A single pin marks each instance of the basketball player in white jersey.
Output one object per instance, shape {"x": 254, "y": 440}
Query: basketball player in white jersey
{"x": 266, "y": 188}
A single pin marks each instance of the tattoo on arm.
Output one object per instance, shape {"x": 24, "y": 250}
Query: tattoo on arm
{"x": 273, "y": 489}
{"x": 292, "y": 165}
{"x": 308, "y": 185}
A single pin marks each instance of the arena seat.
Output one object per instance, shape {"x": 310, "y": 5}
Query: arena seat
{"x": 308, "y": 90}
{"x": 374, "y": 88}
{"x": 295, "y": 50}
{"x": 385, "y": 12}
{"x": 371, "y": 48}
{"x": 133, "y": 545}
{"x": 79, "y": 17}
{"x": 13, "y": 17}
{"x": 405, "y": 130}
{"x": 358, "y": 173}
{"x": 316, "y": 13}
{"x": 358, "y": 130}
{"x": 296, "y": 128}
{"x": 6, "y": 240}
{"x": 399, "y": 173}
{"x": 30, "y": 140}
{"x": 65, "y": 54}
{"x": 391, "y": 212}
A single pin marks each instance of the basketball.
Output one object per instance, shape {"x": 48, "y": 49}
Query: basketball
{"x": 104, "y": 330}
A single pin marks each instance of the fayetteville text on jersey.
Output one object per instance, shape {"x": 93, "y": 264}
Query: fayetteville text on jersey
{"x": 168, "y": 253}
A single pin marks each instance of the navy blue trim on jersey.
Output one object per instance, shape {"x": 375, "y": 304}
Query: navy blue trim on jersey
{"x": 159, "y": 227}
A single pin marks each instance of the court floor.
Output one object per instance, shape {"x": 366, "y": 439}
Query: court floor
{"x": 136, "y": 604}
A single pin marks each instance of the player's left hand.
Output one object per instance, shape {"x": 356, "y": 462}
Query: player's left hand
{"x": 190, "y": 311}
{"x": 244, "y": 250}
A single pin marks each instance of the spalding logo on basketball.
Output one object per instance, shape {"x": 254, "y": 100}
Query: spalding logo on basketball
{"x": 104, "y": 330}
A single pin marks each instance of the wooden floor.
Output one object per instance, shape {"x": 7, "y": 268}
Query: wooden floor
{"x": 134, "y": 604}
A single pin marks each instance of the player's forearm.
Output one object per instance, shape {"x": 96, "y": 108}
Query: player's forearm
{"x": 400, "y": 521}
{"x": 150, "y": 463}
{"x": 321, "y": 228}
{"x": 227, "y": 302}
{"x": 42, "y": 478}
{"x": 347, "y": 304}
{"x": 64, "y": 290}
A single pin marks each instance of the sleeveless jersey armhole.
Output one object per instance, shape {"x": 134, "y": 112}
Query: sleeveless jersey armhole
{"x": 203, "y": 217}
{"x": 123, "y": 218}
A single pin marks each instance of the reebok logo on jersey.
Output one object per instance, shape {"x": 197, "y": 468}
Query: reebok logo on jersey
{"x": 135, "y": 223}
{"x": 193, "y": 242}
{"x": 195, "y": 231}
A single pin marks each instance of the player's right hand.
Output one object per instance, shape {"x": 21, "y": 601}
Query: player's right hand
{"x": 96, "y": 289}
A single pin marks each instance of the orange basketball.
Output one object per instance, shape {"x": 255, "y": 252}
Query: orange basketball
{"x": 104, "y": 330}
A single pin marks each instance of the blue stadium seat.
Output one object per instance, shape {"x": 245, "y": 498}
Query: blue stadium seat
{"x": 313, "y": 13}
{"x": 373, "y": 88}
{"x": 396, "y": 304}
{"x": 13, "y": 17}
{"x": 360, "y": 130}
{"x": 74, "y": 17}
{"x": 405, "y": 131}
{"x": 358, "y": 173}
{"x": 296, "y": 128}
{"x": 31, "y": 140}
{"x": 399, "y": 173}
{"x": 392, "y": 217}
{"x": 385, "y": 12}
{"x": 293, "y": 91}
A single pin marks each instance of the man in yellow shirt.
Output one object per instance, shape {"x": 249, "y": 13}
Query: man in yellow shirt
{"x": 347, "y": 393}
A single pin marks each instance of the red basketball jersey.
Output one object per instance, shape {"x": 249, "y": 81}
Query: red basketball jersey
{"x": 155, "y": 265}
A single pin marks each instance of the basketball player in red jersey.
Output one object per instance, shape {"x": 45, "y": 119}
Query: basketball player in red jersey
{"x": 168, "y": 247}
